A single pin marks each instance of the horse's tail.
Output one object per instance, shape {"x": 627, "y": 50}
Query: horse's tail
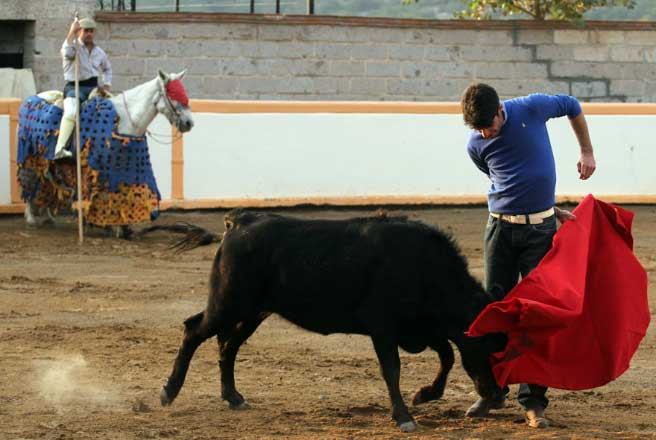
{"x": 195, "y": 236}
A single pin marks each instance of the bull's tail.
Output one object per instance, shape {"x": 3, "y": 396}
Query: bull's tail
{"x": 195, "y": 236}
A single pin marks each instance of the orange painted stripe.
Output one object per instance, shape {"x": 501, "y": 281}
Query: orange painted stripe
{"x": 380, "y": 200}
{"x": 375, "y": 107}
{"x": 177, "y": 165}
{"x": 620, "y": 199}
{"x": 215, "y": 106}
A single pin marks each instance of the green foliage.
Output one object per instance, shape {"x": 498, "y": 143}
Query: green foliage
{"x": 571, "y": 10}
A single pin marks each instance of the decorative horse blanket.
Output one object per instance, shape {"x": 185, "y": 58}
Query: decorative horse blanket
{"x": 118, "y": 184}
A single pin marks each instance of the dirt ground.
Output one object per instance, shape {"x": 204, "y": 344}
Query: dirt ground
{"x": 88, "y": 335}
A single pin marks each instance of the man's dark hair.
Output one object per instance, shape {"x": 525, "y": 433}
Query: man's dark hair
{"x": 480, "y": 104}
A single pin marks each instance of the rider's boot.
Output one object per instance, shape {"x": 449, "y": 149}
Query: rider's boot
{"x": 65, "y": 129}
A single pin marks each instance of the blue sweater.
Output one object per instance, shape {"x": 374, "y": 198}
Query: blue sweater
{"x": 519, "y": 161}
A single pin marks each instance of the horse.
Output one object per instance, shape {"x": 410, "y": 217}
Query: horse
{"x": 118, "y": 185}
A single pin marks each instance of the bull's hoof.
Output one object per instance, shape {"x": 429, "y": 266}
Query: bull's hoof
{"x": 239, "y": 406}
{"x": 164, "y": 398}
{"x": 408, "y": 426}
{"x": 426, "y": 394}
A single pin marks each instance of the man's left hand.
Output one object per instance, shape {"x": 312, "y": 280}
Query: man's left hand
{"x": 586, "y": 165}
{"x": 563, "y": 215}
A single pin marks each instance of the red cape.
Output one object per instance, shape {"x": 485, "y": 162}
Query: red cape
{"x": 577, "y": 319}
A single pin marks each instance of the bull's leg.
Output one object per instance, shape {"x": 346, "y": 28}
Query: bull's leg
{"x": 435, "y": 390}
{"x": 390, "y": 365}
{"x": 228, "y": 348}
{"x": 197, "y": 330}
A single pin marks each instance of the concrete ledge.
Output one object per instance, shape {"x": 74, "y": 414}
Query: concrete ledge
{"x": 329, "y": 20}
{"x": 409, "y": 201}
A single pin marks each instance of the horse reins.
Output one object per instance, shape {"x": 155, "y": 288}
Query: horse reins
{"x": 167, "y": 102}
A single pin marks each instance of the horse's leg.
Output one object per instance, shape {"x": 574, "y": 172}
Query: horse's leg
{"x": 390, "y": 365}
{"x": 29, "y": 214}
{"x": 435, "y": 390}
{"x": 119, "y": 231}
{"x": 48, "y": 218}
{"x": 228, "y": 348}
{"x": 197, "y": 330}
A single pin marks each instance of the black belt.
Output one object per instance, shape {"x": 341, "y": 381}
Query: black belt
{"x": 91, "y": 82}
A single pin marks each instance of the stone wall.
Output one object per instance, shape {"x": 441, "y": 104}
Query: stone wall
{"x": 327, "y": 58}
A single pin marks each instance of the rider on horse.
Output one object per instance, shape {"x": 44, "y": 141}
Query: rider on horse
{"x": 93, "y": 60}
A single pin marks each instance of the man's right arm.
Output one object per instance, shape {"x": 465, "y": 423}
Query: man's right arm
{"x": 476, "y": 158}
{"x": 68, "y": 48}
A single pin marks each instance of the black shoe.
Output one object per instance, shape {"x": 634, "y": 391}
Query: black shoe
{"x": 483, "y": 406}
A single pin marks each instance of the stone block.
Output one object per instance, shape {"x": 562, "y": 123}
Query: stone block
{"x": 515, "y": 87}
{"x": 456, "y": 70}
{"x": 420, "y": 70}
{"x": 368, "y": 52}
{"x": 631, "y": 54}
{"x": 590, "y": 53}
{"x": 240, "y": 67}
{"x": 276, "y": 33}
{"x": 494, "y": 37}
{"x": 554, "y": 52}
{"x": 567, "y": 36}
{"x": 441, "y": 36}
{"x": 215, "y": 85}
{"x": 146, "y": 48}
{"x": 383, "y": 69}
{"x": 331, "y": 86}
{"x": 405, "y": 86}
{"x": 500, "y": 53}
{"x": 128, "y": 66}
{"x": 535, "y": 36}
{"x": 335, "y": 51}
{"x": 640, "y": 38}
{"x": 628, "y": 87}
{"x": 589, "y": 89}
{"x": 573, "y": 69}
{"x": 443, "y": 53}
{"x": 606, "y": 37}
{"x": 368, "y": 86}
{"x": 511, "y": 70}
{"x": 407, "y": 52}
{"x": 347, "y": 68}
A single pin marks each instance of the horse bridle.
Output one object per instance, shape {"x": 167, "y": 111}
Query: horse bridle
{"x": 174, "y": 112}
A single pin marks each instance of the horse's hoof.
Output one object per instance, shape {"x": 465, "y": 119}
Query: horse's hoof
{"x": 408, "y": 426}
{"x": 164, "y": 398}
{"x": 239, "y": 406}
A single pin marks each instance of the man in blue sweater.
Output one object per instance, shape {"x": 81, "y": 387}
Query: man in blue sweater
{"x": 510, "y": 144}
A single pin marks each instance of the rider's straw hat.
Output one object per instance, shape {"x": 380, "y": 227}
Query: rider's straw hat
{"x": 87, "y": 23}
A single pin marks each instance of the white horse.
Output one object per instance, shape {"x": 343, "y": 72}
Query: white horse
{"x": 136, "y": 109}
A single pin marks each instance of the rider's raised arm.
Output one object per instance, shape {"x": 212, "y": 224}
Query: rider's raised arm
{"x": 68, "y": 49}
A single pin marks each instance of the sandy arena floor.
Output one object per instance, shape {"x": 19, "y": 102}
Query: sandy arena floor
{"x": 88, "y": 335}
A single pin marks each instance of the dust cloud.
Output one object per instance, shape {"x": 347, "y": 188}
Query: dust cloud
{"x": 68, "y": 381}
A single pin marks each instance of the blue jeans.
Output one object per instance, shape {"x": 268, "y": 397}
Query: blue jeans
{"x": 69, "y": 92}
{"x": 512, "y": 250}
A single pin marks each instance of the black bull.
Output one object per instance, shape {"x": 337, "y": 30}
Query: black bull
{"x": 400, "y": 282}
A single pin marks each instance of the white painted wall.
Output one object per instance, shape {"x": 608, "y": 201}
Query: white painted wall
{"x": 304, "y": 155}
{"x": 260, "y": 156}
{"x": 624, "y": 151}
{"x": 299, "y": 155}
{"x": 159, "y": 145}
{"x": 5, "y": 194}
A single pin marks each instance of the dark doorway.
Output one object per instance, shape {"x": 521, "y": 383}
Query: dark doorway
{"x": 14, "y": 39}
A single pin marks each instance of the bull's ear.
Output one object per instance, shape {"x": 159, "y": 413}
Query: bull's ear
{"x": 163, "y": 76}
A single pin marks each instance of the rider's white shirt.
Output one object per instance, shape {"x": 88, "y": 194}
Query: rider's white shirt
{"x": 91, "y": 64}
